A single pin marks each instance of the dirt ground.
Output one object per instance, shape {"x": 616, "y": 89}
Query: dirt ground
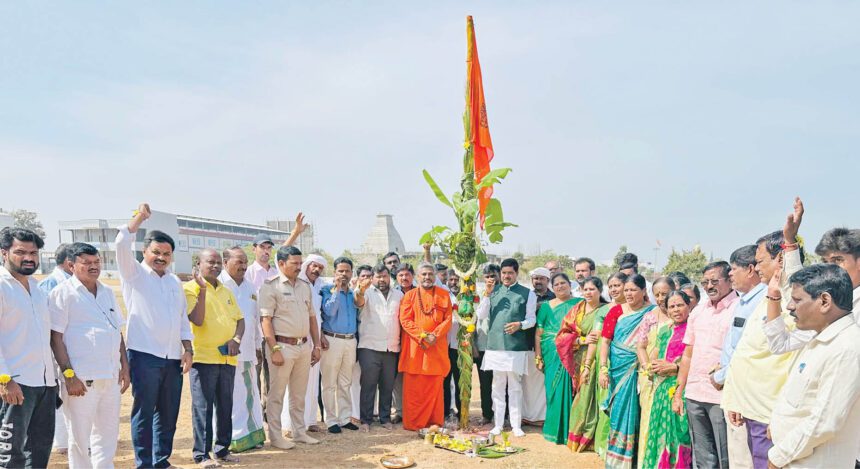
{"x": 352, "y": 448}
{"x": 355, "y": 449}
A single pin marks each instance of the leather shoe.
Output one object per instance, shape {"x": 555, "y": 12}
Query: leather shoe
{"x": 334, "y": 429}
{"x": 349, "y": 426}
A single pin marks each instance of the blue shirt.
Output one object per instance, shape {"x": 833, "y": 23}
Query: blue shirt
{"x": 747, "y": 304}
{"x": 50, "y": 282}
{"x": 339, "y": 313}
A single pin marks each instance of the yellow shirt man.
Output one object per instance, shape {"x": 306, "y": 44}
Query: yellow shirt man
{"x": 219, "y": 323}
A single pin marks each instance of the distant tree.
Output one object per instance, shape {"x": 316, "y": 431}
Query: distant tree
{"x": 616, "y": 261}
{"x": 29, "y": 220}
{"x": 520, "y": 257}
{"x": 533, "y": 262}
{"x": 689, "y": 262}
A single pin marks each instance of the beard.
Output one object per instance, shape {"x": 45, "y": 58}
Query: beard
{"x": 24, "y": 269}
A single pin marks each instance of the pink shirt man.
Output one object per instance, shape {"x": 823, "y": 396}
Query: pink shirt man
{"x": 706, "y": 331}
{"x": 257, "y": 274}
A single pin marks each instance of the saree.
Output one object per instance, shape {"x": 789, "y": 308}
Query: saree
{"x": 623, "y": 401}
{"x": 668, "y": 444}
{"x": 585, "y": 413}
{"x": 647, "y": 332}
{"x": 601, "y": 434}
{"x": 558, "y": 382}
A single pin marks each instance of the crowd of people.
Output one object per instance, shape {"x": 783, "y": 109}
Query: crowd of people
{"x": 758, "y": 368}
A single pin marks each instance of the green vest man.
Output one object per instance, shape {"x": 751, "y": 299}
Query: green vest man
{"x": 510, "y": 308}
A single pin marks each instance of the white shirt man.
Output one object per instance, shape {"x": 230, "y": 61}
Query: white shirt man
{"x": 29, "y": 387}
{"x": 157, "y": 320}
{"x": 378, "y": 347}
{"x": 158, "y": 338}
{"x": 247, "y": 412}
{"x": 59, "y": 275}
{"x": 90, "y": 328}
{"x": 816, "y": 419}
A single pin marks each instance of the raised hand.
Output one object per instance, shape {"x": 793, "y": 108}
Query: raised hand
{"x": 201, "y": 282}
{"x": 140, "y": 215}
{"x": 490, "y": 285}
{"x": 792, "y": 222}
{"x": 300, "y": 223}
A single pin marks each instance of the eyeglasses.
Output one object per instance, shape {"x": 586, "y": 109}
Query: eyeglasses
{"x": 716, "y": 282}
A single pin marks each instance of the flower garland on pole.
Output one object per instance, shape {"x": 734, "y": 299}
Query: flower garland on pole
{"x": 478, "y": 214}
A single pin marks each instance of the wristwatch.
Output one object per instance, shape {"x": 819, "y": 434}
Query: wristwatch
{"x": 237, "y": 340}
{"x": 277, "y": 348}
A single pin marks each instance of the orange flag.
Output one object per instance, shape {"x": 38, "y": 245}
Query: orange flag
{"x": 477, "y": 129}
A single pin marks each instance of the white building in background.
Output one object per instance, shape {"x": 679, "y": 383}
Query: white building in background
{"x": 191, "y": 234}
{"x": 383, "y": 238}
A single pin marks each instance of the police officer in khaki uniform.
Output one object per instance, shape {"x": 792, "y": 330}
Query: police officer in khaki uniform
{"x": 287, "y": 316}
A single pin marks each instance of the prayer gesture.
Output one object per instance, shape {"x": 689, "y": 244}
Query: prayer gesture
{"x": 792, "y": 222}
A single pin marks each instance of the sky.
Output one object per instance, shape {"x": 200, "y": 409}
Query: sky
{"x": 690, "y": 123}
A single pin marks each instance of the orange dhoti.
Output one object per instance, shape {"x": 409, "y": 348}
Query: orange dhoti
{"x": 423, "y": 401}
{"x": 424, "y": 311}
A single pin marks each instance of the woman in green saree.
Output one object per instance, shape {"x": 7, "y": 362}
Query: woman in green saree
{"x": 669, "y": 445}
{"x": 618, "y": 365}
{"x": 559, "y": 386}
{"x": 579, "y": 334}
{"x": 647, "y": 351}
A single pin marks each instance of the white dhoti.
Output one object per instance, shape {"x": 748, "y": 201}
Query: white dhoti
{"x": 311, "y": 400}
{"x": 534, "y": 392}
{"x": 509, "y": 371}
{"x": 93, "y": 424}
{"x": 247, "y": 414}
{"x": 739, "y": 450}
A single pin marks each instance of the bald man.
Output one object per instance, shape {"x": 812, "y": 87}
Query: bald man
{"x": 218, "y": 326}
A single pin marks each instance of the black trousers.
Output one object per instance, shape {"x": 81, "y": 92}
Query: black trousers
{"x": 378, "y": 372}
{"x": 27, "y": 430}
{"x": 446, "y": 386}
{"x": 211, "y": 386}
{"x": 485, "y": 379}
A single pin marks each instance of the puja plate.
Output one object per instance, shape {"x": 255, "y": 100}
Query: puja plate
{"x": 393, "y": 461}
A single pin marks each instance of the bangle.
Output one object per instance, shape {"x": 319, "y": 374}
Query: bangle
{"x": 771, "y": 298}
{"x": 604, "y": 369}
{"x": 237, "y": 340}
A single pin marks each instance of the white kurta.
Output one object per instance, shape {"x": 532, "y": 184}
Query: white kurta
{"x": 816, "y": 420}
